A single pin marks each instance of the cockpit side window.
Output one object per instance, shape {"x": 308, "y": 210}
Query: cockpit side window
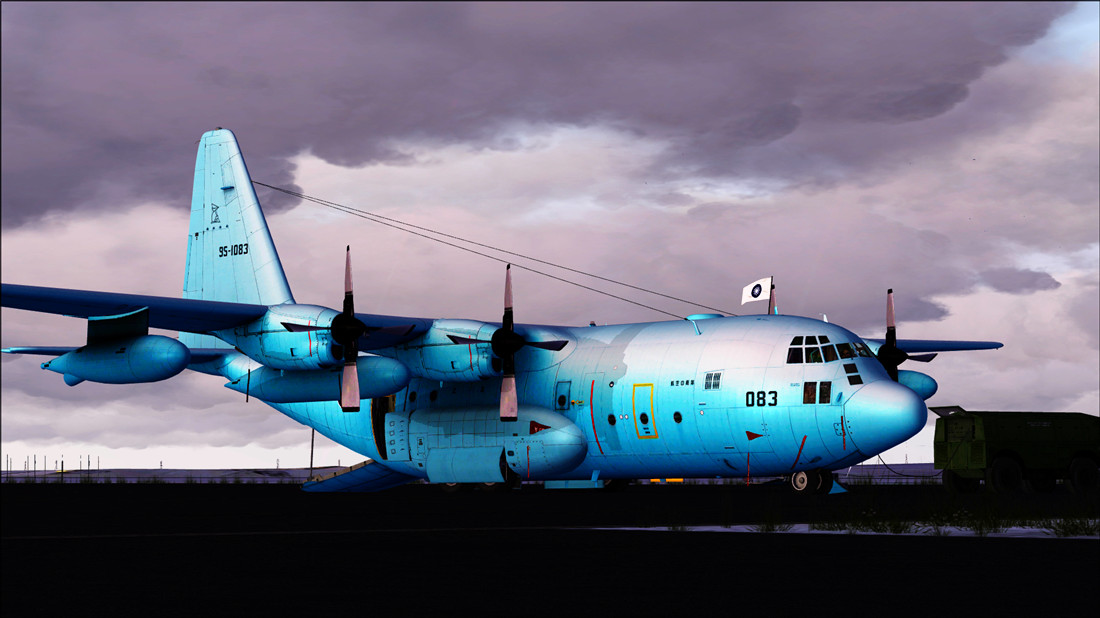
{"x": 845, "y": 350}
{"x": 829, "y": 352}
{"x": 794, "y": 356}
{"x": 861, "y": 348}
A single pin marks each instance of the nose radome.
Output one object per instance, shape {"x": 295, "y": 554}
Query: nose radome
{"x": 882, "y": 415}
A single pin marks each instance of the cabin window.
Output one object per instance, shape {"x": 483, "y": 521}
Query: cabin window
{"x": 676, "y": 416}
{"x": 826, "y": 392}
{"x": 713, "y": 381}
{"x": 809, "y": 392}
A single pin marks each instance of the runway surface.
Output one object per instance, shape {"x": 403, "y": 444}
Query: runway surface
{"x": 220, "y": 550}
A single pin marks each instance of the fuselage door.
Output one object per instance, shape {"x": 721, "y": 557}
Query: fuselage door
{"x": 644, "y": 422}
{"x": 601, "y": 414}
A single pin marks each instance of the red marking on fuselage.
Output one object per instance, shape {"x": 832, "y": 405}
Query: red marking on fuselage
{"x": 536, "y": 427}
{"x": 843, "y": 434}
{"x": 799, "y": 452}
{"x": 592, "y": 411}
{"x": 753, "y": 436}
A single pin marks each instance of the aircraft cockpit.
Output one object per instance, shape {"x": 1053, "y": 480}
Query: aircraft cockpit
{"x": 818, "y": 349}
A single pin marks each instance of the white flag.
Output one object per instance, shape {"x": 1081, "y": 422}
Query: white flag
{"x": 757, "y": 290}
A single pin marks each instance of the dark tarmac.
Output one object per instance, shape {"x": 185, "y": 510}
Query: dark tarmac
{"x": 273, "y": 550}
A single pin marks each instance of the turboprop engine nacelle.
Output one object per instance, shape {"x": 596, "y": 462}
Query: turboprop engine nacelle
{"x": 147, "y": 358}
{"x": 269, "y": 341}
{"x": 378, "y": 377}
{"x": 435, "y": 357}
{"x": 919, "y": 383}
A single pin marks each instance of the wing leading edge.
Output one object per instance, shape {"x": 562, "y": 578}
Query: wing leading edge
{"x": 917, "y": 346}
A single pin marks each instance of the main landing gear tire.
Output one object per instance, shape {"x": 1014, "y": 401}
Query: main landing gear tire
{"x": 810, "y": 482}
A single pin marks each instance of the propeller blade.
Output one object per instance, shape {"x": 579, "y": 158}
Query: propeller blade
{"x": 349, "y": 388}
{"x": 889, "y": 354}
{"x": 349, "y": 306}
{"x": 509, "y": 404}
{"x": 890, "y": 324}
{"x": 923, "y": 358}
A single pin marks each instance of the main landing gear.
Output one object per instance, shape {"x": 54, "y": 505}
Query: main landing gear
{"x": 812, "y": 482}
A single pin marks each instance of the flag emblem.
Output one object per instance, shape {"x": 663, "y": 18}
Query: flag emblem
{"x": 756, "y": 290}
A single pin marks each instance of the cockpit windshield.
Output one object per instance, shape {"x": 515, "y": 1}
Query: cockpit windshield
{"x": 818, "y": 349}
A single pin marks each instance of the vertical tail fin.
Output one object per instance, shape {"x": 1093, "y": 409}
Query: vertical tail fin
{"x": 230, "y": 254}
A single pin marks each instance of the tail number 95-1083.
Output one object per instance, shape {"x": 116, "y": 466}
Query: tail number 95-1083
{"x": 229, "y": 250}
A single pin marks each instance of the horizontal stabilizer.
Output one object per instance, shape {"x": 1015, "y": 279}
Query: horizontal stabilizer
{"x": 366, "y": 476}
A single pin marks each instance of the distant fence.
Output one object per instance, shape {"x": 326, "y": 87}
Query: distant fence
{"x": 877, "y": 474}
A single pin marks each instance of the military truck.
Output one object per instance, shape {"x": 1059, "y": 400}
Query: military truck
{"x": 1011, "y": 451}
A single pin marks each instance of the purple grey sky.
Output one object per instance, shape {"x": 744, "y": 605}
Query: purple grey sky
{"x": 947, "y": 150}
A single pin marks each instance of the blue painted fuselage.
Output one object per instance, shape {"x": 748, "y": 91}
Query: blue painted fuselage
{"x": 720, "y": 397}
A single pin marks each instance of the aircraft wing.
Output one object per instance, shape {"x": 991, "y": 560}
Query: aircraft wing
{"x": 918, "y": 346}
{"x": 180, "y": 314}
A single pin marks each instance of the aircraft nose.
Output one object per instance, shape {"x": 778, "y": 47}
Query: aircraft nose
{"x": 882, "y": 415}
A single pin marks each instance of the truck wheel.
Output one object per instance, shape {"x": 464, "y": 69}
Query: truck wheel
{"x": 955, "y": 484}
{"x": 1083, "y": 475}
{"x": 1005, "y": 476}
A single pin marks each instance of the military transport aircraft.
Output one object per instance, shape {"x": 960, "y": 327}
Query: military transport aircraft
{"x": 465, "y": 401}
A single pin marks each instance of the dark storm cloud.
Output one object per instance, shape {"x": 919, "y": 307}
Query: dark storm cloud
{"x": 1018, "y": 281}
{"x": 101, "y": 101}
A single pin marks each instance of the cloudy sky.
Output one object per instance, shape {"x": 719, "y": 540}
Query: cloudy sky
{"x": 949, "y": 151}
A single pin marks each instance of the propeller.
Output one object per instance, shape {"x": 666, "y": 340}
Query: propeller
{"x": 888, "y": 353}
{"x": 505, "y": 342}
{"x": 346, "y": 330}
